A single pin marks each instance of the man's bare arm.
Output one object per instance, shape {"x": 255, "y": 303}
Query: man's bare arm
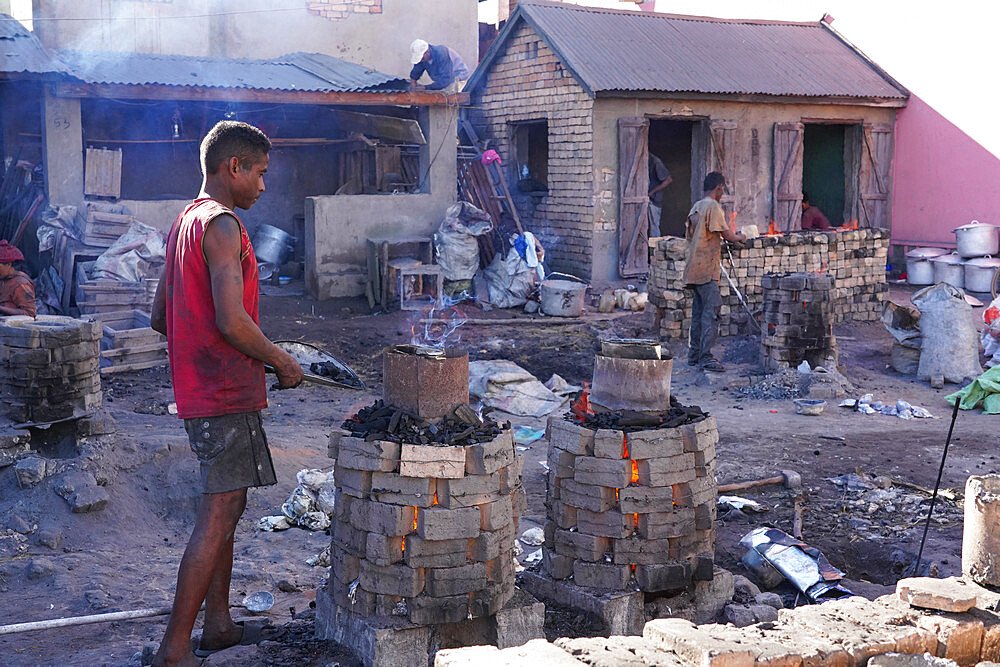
{"x": 221, "y": 246}
{"x": 158, "y": 314}
{"x": 733, "y": 237}
{"x": 662, "y": 186}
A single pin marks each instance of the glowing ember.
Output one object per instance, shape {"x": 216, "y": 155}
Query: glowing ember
{"x": 849, "y": 226}
{"x": 414, "y": 517}
{"x": 435, "y": 497}
{"x": 617, "y": 495}
{"x": 581, "y": 406}
{"x": 635, "y": 518}
{"x": 624, "y": 445}
{"x": 635, "y": 472}
{"x": 772, "y": 229}
{"x": 403, "y": 549}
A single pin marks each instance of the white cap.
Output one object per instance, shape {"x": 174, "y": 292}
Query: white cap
{"x": 417, "y": 50}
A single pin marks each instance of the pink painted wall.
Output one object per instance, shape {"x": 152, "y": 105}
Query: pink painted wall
{"x": 943, "y": 178}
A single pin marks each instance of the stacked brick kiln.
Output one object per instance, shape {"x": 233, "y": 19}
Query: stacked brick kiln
{"x": 51, "y": 368}
{"x": 855, "y": 260}
{"x": 798, "y": 321}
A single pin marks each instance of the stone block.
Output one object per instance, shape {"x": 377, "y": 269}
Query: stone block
{"x": 605, "y": 524}
{"x": 577, "y": 545}
{"x": 763, "y": 613}
{"x": 349, "y": 538}
{"x": 666, "y": 471}
{"x": 492, "y": 544}
{"x": 29, "y": 471}
{"x": 88, "y": 499}
{"x": 358, "y": 454}
{"x": 440, "y": 523}
{"x": 655, "y": 444}
{"x": 520, "y": 620}
{"x": 909, "y": 660}
{"x": 491, "y": 599}
{"x": 488, "y": 458}
{"x": 357, "y": 483}
{"x": 418, "y": 552}
{"x": 738, "y": 615}
{"x": 618, "y": 652}
{"x": 383, "y": 550}
{"x": 602, "y": 576}
{"x": 345, "y": 567}
{"x": 572, "y": 437}
{"x": 609, "y": 444}
{"x": 695, "y": 645}
{"x": 396, "y": 489}
{"x": 663, "y": 577}
{"x": 392, "y": 643}
{"x": 621, "y": 613}
{"x": 562, "y": 514}
{"x": 468, "y": 491}
{"x": 450, "y": 581}
{"x": 391, "y": 520}
{"x": 426, "y": 610}
{"x": 519, "y": 503}
{"x": 496, "y": 515}
{"x": 960, "y": 638}
{"x": 395, "y": 579}
{"x": 558, "y": 567}
{"x": 637, "y": 551}
{"x": 614, "y": 473}
{"x": 951, "y": 594}
{"x": 661, "y": 525}
{"x": 510, "y": 475}
{"x": 440, "y": 462}
{"x": 333, "y": 444}
{"x": 643, "y": 499}
{"x": 587, "y": 496}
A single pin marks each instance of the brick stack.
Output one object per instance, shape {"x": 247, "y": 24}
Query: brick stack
{"x": 51, "y": 368}
{"x": 623, "y": 504}
{"x": 855, "y": 259}
{"x": 798, "y": 321}
{"x": 424, "y": 533}
{"x": 336, "y": 10}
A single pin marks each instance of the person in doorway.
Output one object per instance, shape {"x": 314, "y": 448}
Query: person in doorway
{"x": 447, "y": 70}
{"x": 706, "y": 228}
{"x": 206, "y": 304}
{"x": 17, "y": 292}
{"x": 659, "y": 179}
{"x": 812, "y": 217}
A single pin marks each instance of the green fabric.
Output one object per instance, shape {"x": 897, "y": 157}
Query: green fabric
{"x": 985, "y": 389}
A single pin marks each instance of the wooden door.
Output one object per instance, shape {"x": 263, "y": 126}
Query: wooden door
{"x": 787, "y": 191}
{"x": 722, "y": 158}
{"x": 633, "y": 197}
{"x": 873, "y": 176}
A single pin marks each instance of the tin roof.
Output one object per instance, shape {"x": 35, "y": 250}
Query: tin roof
{"x": 311, "y": 72}
{"x": 21, "y": 52}
{"x": 610, "y": 50}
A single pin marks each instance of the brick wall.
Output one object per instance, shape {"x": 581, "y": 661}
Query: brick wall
{"x": 341, "y": 9}
{"x": 855, "y": 259}
{"x": 527, "y": 82}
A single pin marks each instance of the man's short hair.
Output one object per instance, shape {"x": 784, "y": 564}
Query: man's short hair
{"x": 713, "y": 180}
{"x": 229, "y": 139}
{"x": 805, "y": 197}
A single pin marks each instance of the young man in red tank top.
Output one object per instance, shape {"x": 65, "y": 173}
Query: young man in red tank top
{"x": 206, "y": 304}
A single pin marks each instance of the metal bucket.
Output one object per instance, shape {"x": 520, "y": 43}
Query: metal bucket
{"x": 563, "y": 298}
{"x": 272, "y": 245}
{"x": 641, "y": 384}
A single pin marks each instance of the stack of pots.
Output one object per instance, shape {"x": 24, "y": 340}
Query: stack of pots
{"x": 977, "y": 243}
{"x": 920, "y": 267}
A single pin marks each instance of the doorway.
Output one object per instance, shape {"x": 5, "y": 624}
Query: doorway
{"x": 670, "y": 140}
{"x": 824, "y": 173}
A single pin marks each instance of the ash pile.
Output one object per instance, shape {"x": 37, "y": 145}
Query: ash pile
{"x": 631, "y": 488}
{"x": 426, "y": 513}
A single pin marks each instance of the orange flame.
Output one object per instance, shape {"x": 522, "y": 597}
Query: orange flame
{"x": 772, "y": 229}
{"x": 435, "y": 496}
{"x": 624, "y": 445}
{"x": 635, "y": 518}
{"x": 635, "y": 472}
{"x": 403, "y": 548}
{"x": 849, "y": 226}
{"x": 732, "y": 222}
{"x": 617, "y": 495}
{"x": 414, "y": 517}
{"x": 581, "y": 406}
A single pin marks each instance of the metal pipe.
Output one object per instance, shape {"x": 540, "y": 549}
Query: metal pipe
{"x": 83, "y": 620}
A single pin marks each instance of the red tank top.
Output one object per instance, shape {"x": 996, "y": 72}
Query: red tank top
{"x": 210, "y": 376}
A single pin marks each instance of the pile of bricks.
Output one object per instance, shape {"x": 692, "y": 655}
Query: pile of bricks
{"x": 636, "y": 504}
{"x": 798, "y": 321}
{"x": 935, "y": 630}
{"x": 51, "y": 368}
{"x": 854, "y": 259}
{"x": 424, "y": 533}
{"x": 340, "y": 9}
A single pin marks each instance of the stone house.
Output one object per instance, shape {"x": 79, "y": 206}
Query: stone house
{"x": 582, "y": 95}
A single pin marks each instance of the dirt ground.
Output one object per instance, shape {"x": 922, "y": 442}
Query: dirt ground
{"x": 125, "y": 557}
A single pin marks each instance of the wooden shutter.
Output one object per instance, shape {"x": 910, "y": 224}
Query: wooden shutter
{"x": 787, "y": 192}
{"x": 722, "y": 158}
{"x": 873, "y": 175}
{"x": 633, "y": 196}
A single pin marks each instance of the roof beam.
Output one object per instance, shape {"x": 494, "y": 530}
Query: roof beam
{"x": 202, "y": 93}
{"x": 768, "y": 99}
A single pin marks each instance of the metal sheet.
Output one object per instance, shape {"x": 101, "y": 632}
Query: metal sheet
{"x": 21, "y": 52}
{"x": 618, "y": 50}
{"x": 427, "y": 387}
{"x": 632, "y": 384}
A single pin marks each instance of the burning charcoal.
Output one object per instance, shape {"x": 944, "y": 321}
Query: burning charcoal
{"x": 631, "y": 420}
{"x": 328, "y": 369}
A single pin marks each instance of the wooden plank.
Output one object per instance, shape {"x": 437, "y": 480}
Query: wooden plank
{"x": 155, "y": 92}
{"x": 135, "y": 366}
{"x": 392, "y": 128}
{"x": 138, "y": 349}
{"x": 103, "y": 172}
{"x": 633, "y": 196}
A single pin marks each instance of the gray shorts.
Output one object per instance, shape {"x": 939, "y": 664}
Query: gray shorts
{"x": 232, "y": 450}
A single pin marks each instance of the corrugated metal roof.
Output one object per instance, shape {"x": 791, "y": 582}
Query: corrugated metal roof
{"x": 617, "y": 50}
{"x": 296, "y": 72}
{"x": 21, "y": 52}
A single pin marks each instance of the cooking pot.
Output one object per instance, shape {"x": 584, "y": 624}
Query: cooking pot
{"x": 919, "y": 270}
{"x": 949, "y": 269}
{"x": 272, "y": 245}
{"x": 979, "y": 274}
{"x": 563, "y": 296}
{"x": 977, "y": 239}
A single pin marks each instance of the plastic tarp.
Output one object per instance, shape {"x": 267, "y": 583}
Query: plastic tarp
{"x": 950, "y": 348}
{"x": 983, "y": 390}
{"x": 504, "y": 385}
{"x": 139, "y": 253}
{"x": 63, "y": 219}
{"x": 455, "y": 244}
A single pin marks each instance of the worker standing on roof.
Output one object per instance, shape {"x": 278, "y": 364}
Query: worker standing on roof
{"x": 443, "y": 65}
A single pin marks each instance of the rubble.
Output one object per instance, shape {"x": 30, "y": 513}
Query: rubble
{"x": 310, "y": 505}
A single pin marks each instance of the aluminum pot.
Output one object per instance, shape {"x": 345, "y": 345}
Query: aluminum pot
{"x": 949, "y": 269}
{"x": 977, "y": 239}
{"x": 563, "y": 298}
{"x": 272, "y": 245}
{"x": 979, "y": 274}
{"x": 919, "y": 270}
